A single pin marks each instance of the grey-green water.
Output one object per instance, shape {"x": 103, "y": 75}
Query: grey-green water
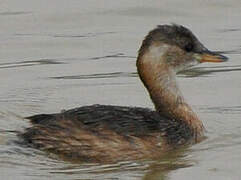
{"x": 60, "y": 54}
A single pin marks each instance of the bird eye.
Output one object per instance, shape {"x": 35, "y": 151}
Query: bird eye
{"x": 189, "y": 47}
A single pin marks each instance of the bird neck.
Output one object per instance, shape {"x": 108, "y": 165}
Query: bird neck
{"x": 160, "y": 81}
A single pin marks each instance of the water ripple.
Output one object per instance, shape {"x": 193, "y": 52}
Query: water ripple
{"x": 222, "y": 110}
{"x": 205, "y": 71}
{"x": 14, "y": 13}
{"x": 229, "y": 30}
{"x": 95, "y": 34}
{"x": 29, "y": 63}
{"x": 97, "y": 76}
{"x": 235, "y": 51}
{"x": 117, "y": 55}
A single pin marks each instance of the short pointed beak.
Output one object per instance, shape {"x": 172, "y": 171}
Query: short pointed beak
{"x": 214, "y": 57}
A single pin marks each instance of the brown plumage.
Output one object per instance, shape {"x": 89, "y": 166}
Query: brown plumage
{"x": 105, "y": 133}
{"x": 101, "y": 133}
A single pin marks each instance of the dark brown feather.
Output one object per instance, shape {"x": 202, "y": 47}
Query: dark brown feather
{"x": 105, "y": 133}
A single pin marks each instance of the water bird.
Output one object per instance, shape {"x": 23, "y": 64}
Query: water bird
{"x": 107, "y": 133}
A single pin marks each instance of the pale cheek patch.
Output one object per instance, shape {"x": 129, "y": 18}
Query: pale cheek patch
{"x": 186, "y": 65}
{"x": 156, "y": 52}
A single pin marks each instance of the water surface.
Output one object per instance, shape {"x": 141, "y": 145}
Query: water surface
{"x": 60, "y": 54}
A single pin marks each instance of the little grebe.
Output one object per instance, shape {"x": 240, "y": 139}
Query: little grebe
{"x": 103, "y": 133}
